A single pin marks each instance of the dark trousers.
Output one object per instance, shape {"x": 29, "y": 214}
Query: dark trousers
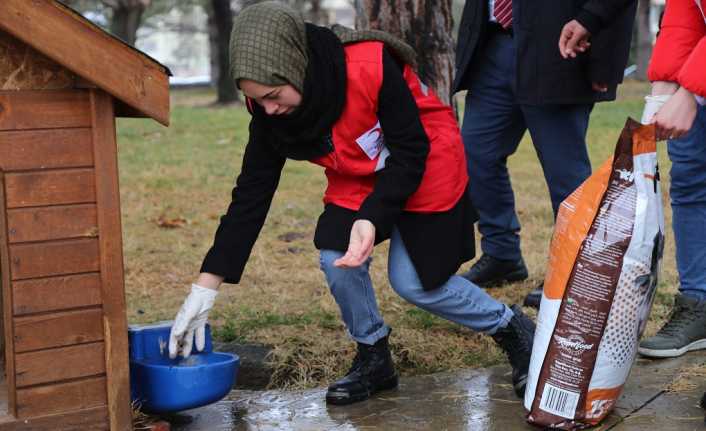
{"x": 688, "y": 195}
{"x": 493, "y": 125}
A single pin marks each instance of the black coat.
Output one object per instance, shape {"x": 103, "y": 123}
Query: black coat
{"x": 437, "y": 243}
{"x": 542, "y": 75}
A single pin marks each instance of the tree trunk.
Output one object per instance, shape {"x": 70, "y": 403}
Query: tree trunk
{"x": 317, "y": 14}
{"x": 222, "y": 16}
{"x": 126, "y": 21}
{"x": 426, "y": 25}
{"x": 212, "y": 44}
{"x": 644, "y": 39}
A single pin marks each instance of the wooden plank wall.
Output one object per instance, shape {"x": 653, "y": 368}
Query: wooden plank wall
{"x": 51, "y": 223}
{"x": 93, "y": 419}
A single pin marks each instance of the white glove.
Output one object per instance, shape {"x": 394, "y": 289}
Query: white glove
{"x": 652, "y": 105}
{"x": 191, "y": 320}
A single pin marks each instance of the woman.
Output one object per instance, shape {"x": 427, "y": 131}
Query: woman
{"x": 350, "y": 102}
{"x": 676, "y": 107}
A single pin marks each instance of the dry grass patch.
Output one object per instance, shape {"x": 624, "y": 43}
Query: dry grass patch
{"x": 688, "y": 379}
{"x": 187, "y": 171}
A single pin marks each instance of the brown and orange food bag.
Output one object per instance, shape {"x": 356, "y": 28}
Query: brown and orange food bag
{"x": 598, "y": 291}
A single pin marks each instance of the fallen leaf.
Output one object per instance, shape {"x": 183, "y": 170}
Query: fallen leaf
{"x": 291, "y": 236}
{"x": 171, "y": 223}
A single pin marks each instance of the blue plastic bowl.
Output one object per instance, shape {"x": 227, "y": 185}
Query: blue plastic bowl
{"x": 162, "y": 385}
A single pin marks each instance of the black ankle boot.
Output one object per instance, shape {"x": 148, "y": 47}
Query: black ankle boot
{"x": 372, "y": 371}
{"x": 516, "y": 340}
{"x": 489, "y": 271}
{"x": 534, "y": 298}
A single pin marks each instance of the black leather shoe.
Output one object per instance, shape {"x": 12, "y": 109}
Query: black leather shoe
{"x": 516, "y": 340}
{"x": 372, "y": 371}
{"x": 534, "y": 298}
{"x": 489, "y": 271}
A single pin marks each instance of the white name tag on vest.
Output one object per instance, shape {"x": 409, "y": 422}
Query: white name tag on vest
{"x": 371, "y": 142}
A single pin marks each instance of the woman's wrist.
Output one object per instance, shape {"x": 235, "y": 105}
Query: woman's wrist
{"x": 208, "y": 280}
{"x": 661, "y": 88}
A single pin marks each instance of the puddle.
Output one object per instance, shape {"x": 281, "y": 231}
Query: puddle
{"x": 460, "y": 401}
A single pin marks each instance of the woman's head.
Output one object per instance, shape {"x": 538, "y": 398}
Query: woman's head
{"x": 268, "y": 55}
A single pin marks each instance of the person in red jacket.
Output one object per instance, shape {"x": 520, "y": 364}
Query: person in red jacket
{"x": 393, "y": 157}
{"x": 676, "y": 107}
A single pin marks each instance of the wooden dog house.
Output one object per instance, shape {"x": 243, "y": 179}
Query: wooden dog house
{"x": 63, "y": 81}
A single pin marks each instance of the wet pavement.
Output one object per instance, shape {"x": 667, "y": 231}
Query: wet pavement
{"x": 479, "y": 399}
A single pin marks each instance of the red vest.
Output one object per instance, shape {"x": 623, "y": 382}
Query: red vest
{"x": 359, "y": 148}
{"x": 679, "y": 54}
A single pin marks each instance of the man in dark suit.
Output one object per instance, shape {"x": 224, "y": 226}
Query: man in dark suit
{"x": 509, "y": 60}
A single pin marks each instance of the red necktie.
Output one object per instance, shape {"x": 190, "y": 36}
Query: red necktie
{"x": 503, "y": 13}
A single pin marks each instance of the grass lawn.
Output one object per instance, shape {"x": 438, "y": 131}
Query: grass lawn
{"x": 182, "y": 176}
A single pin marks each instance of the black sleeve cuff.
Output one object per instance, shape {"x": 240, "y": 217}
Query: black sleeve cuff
{"x": 377, "y": 216}
{"x": 592, "y": 22}
{"x": 217, "y": 264}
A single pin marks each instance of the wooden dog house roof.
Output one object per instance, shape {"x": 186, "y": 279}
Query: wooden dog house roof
{"x": 139, "y": 84}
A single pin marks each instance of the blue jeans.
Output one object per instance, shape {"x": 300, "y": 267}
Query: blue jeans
{"x": 688, "y": 196}
{"x": 458, "y": 300}
{"x": 493, "y": 125}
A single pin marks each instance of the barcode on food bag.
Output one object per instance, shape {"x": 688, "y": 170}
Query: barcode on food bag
{"x": 559, "y": 402}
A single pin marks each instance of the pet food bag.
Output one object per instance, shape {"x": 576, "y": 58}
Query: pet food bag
{"x": 599, "y": 286}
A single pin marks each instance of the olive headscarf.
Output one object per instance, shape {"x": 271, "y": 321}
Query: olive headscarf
{"x": 268, "y": 45}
